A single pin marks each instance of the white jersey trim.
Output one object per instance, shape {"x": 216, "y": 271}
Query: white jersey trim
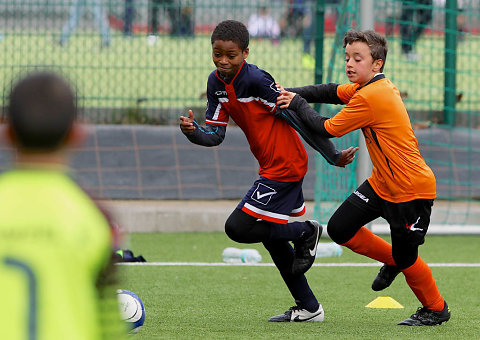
{"x": 258, "y": 99}
{"x": 215, "y": 122}
{"x": 294, "y": 211}
{"x": 266, "y": 213}
{"x": 217, "y": 113}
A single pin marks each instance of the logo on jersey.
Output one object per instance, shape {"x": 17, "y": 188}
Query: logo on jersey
{"x": 221, "y": 93}
{"x": 412, "y": 226}
{"x": 263, "y": 194}
{"x": 273, "y": 86}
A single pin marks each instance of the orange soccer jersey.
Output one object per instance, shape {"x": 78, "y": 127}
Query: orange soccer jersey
{"x": 400, "y": 173}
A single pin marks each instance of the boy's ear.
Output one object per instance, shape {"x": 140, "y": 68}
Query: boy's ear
{"x": 377, "y": 65}
{"x": 77, "y": 135}
{"x": 8, "y": 134}
{"x": 245, "y": 53}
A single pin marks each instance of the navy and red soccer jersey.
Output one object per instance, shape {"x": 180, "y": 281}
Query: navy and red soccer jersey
{"x": 250, "y": 100}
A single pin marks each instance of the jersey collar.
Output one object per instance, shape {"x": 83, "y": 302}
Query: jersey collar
{"x": 232, "y": 79}
{"x": 378, "y": 76}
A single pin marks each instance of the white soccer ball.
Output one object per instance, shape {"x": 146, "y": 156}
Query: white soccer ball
{"x": 131, "y": 308}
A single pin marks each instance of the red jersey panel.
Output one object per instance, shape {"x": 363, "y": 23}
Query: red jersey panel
{"x": 250, "y": 100}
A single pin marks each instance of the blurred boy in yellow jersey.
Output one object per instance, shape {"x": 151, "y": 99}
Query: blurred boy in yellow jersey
{"x": 55, "y": 243}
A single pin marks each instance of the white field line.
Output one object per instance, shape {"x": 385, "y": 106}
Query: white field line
{"x": 222, "y": 264}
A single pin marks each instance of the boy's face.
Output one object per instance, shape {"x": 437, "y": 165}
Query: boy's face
{"x": 359, "y": 64}
{"x": 228, "y": 57}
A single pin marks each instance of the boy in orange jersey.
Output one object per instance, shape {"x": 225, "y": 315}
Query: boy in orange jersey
{"x": 401, "y": 188}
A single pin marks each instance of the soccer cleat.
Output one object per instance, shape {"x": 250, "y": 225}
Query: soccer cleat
{"x": 427, "y": 317}
{"x": 297, "y": 314}
{"x": 385, "y": 277}
{"x": 305, "y": 250}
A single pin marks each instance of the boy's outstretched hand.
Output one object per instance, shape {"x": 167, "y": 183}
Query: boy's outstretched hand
{"x": 284, "y": 99}
{"x": 347, "y": 157}
{"x": 186, "y": 123}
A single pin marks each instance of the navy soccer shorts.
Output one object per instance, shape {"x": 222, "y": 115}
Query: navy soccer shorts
{"x": 274, "y": 201}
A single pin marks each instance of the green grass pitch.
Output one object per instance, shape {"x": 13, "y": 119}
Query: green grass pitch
{"x": 235, "y": 302}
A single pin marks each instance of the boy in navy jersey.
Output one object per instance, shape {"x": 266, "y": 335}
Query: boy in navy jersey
{"x": 248, "y": 95}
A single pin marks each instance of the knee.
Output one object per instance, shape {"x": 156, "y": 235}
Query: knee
{"x": 233, "y": 229}
{"x": 405, "y": 246}
{"x": 335, "y": 233}
{"x": 404, "y": 256}
{"x": 404, "y": 261}
{"x": 341, "y": 230}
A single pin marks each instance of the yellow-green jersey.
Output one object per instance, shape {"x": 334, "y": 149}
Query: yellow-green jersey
{"x": 54, "y": 245}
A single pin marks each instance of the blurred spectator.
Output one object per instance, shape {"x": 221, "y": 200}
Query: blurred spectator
{"x": 77, "y": 10}
{"x": 181, "y": 17}
{"x": 416, "y": 15}
{"x": 263, "y": 25}
{"x": 463, "y": 6}
{"x": 299, "y": 21}
{"x": 128, "y": 21}
{"x": 187, "y": 24}
{"x": 309, "y": 29}
{"x": 308, "y": 35}
{"x": 292, "y": 25}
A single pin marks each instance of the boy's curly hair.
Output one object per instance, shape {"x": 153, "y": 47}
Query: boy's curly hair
{"x": 377, "y": 43}
{"x": 232, "y": 30}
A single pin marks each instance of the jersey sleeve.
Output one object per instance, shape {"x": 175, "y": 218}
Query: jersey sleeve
{"x": 355, "y": 115}
{"x": 214, "y": 114}
{"x": 318, "y": 93}
{"x": 266, "y": 90}
{"x": 345, "y": 92}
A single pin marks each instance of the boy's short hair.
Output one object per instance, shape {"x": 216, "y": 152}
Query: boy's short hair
{"x": 41, "y": 111}
{"x": 232, "y": 30}
{"x": 377, "y": 43}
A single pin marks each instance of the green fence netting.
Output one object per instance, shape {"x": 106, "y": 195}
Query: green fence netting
{"x": 147, "y": 61}
{"x": 434, "y": 48}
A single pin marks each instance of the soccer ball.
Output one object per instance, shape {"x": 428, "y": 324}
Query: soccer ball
{"x": 131, "y": 308}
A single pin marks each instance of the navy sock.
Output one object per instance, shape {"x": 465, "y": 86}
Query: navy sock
{"x": 310, "y": 305}
{"x": 282, "y": 255}
{"x": 291, "y": 232}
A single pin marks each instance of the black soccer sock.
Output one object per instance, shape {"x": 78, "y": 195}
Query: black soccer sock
{"x": 282, "y": 255}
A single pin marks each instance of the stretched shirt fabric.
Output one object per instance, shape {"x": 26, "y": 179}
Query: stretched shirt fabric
{"x": 54, "y": 243}
{"x": 250, "y": 100}
{"x": 399, "y": 173}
